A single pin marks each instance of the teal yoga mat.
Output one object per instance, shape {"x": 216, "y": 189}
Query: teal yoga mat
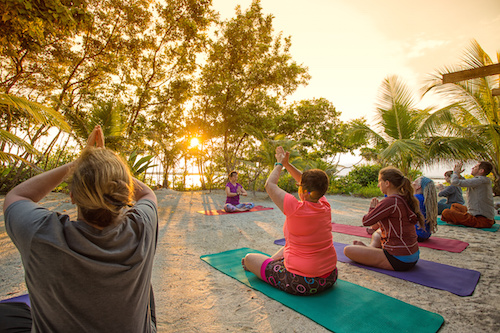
{"x": 347, "y": 307}
{"x": 494, "y": 228}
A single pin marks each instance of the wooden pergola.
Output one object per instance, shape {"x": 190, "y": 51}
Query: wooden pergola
{"x": 474, "y": 74}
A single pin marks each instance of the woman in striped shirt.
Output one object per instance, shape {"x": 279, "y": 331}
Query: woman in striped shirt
{"x": 394, "y": 245}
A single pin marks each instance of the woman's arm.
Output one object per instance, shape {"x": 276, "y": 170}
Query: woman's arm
{"x": 377, "y": 213}
{"x": 229, "y": 193}
{"x": 276, "y": 194}
{"x": 242, "y": 191}
{"x": 37, "y": 187}
{"x": 292, "y": 170}
{"x": 142, "y": 191}
{"x": 279, "y": 254}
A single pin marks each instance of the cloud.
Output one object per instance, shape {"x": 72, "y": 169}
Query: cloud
{"x": 421, "y": 47}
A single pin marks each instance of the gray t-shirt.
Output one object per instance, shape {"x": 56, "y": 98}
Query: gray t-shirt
{"x": 479, "y": 195}
{"x": 453, "y": 194}
{"x": 82, "y": 279}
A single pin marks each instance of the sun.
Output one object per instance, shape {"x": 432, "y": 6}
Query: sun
{"x": 194, "y": 143}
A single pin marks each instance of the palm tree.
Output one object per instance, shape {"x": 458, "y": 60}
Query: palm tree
{"x": 33, "y": 112}
{"x": 401, "y": 139}
{"x": 474, "y": 111}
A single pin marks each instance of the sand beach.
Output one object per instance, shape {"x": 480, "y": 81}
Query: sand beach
{"x": 191, "y": 296}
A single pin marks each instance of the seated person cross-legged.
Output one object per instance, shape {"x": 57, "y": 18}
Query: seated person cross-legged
{"x": 307, "y": 264}
{"x": 394, "y": 245}
{"x": 233, "y": 192}
{"x": 93, "y": 273}
{"x": 480, "y": 212}
{"x": 452, "y": 194}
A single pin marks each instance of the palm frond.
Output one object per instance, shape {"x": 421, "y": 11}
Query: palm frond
{"x": 10, "y": 138}
{"x": 36, "y": 111}
{"x": 361, "y": 132}
{"x": 13, "y": 158}
{"x": 404, "y": 149}
{"x": 457, "y": 148}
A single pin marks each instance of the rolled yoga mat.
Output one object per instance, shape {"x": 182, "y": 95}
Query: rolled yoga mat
{"x": 223, "y": 212}
{"x": 346, "y": 307}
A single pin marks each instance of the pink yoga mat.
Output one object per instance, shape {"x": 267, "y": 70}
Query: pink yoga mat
{"x": 222, "y": 212}
{"x": 450, "y": 245}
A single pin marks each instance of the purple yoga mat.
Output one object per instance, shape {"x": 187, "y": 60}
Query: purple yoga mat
{"x": 450, "y": 245}
{"x": 23, "y": 299}
{"x": 459, "y": 281}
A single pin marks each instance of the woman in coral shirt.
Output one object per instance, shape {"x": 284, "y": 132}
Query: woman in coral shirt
{"x": 307, "y": 264}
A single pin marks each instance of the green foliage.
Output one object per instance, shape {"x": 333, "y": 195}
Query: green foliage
{"x": 287, "y": 183}
{"x": 316, "y": 121}
{"x": 361, "y": 181}
{"x": 247, "y": 69}
{"x": 28, "y": 112}
{"x": 34, "y": 23}
{"x": 471, "y": 119}
{"x": 139, "y": 167}
{"x": 369, "y": 191}
{"x": 364, "y": 174}
{"x": 213, "y": 179}
{"x": 402, "y": 139}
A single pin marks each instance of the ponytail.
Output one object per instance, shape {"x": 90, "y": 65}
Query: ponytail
{"x": 403, "y": 184}
{"x": 406, "y": 191}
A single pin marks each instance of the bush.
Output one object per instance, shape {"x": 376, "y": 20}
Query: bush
{"x": 361, "y": 181}
{"x": 364, "y": 175}
{"x": 369, "y": 191}
{"x": 288, "y": 183}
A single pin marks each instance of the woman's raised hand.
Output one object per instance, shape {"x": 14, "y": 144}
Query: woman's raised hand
{"x": 96, "y": 138}
{"x": 281, "y": 155}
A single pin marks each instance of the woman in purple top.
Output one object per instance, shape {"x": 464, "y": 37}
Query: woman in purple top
{"x": 233, "y": 192}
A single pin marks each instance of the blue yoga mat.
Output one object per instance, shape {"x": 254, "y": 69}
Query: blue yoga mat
{"x": 459, "y": 281}
{"x": 494, "y": 228}
{"x": 346, "y": 307}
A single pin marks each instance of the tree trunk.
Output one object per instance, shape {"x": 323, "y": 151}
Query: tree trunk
{"x": 496, "y": 182}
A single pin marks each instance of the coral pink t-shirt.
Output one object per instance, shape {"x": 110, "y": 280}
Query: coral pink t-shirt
{"x": 309, "y": 247}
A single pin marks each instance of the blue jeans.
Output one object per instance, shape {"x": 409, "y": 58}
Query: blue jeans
{"x": 442, "y": 205}
{"x": 231, "y": 208}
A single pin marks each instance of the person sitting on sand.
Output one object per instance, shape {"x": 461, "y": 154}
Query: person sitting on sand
{"x": 452, "y": 193}
{"x": 394, "y": 245}
{"x": 233, "y": 192}
{"x": 92, "y": 274}
{"x": 307, "y": 264}
{"x": 481, "y": 212}
{"x": 425, "y": 192}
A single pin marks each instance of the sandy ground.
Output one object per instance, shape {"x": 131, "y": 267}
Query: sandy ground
{"x": 191, "y": 296}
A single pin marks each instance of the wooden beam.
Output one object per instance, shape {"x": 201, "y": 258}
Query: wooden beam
{"x": 471, "y": 73}
{"x": 495, "y": 92}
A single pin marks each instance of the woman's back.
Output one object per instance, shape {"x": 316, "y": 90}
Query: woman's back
{"x": 308, "y": 232}
{"x": 83, "y": 279}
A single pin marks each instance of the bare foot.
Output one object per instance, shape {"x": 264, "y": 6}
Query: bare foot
{"x": 243, "y": 264}
{"x": 357, "y": 242}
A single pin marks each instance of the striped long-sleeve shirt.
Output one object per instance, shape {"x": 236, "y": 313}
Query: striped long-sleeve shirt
{"x": 397, "y": 223}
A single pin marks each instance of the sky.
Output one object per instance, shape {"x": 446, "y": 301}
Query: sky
{"x": 351, "y": 46}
